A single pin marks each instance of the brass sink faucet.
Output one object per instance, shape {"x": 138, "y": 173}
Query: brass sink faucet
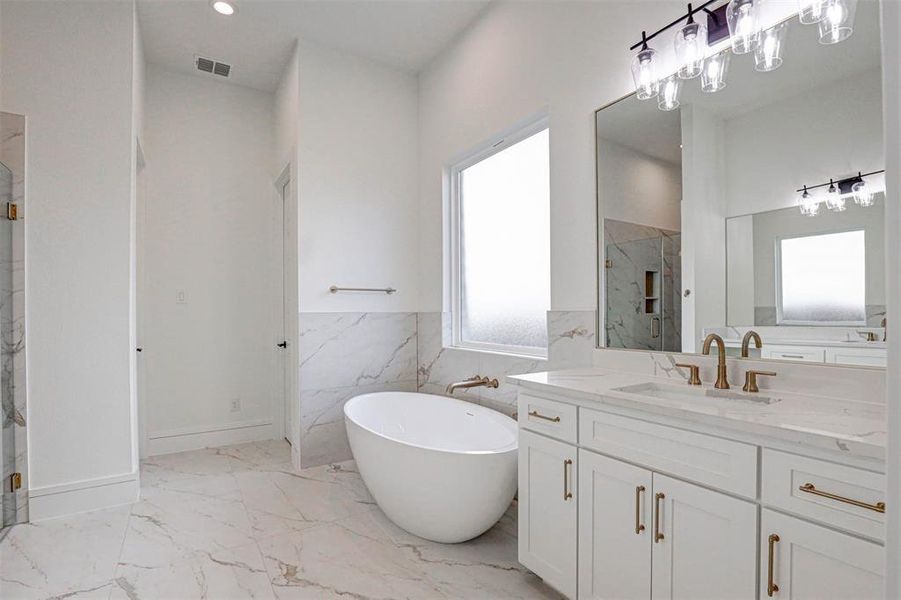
{"x": 722, "y": 380}
{"x": 746, "y": 341}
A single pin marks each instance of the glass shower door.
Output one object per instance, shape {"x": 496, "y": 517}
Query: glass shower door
{"x": 11, "y": 417}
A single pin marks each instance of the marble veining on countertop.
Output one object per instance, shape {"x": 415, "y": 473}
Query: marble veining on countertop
{"x": 851, "y": 427}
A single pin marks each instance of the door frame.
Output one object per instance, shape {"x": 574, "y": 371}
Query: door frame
{"x": 285, "y": 389}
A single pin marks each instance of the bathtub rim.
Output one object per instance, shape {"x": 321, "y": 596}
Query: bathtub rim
{"x": 506, "y": 422}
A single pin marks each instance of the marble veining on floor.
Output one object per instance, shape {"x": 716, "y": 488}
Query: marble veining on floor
{"x": 238, "y": 522}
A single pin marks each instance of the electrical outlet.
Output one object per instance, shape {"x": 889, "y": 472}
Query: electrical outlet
{"x": 236, "y": 405}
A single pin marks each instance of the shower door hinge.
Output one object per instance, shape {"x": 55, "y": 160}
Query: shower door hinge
{"x": 608, "y": 264}
{"x": 12, "y": 211}
{"x": 15, "y": 481}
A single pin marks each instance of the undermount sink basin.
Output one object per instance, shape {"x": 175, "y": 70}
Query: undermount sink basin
{"x": 683, "y": 393}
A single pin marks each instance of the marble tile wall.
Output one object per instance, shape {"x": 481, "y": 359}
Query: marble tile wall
{"x": 341, "y": 356}
{"x": 12, "y": 323}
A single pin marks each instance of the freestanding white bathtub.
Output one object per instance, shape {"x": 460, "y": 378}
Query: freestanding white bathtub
{"x": 441, "y": 468}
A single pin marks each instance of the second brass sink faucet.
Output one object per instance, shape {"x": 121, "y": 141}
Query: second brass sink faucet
{"x": 722, "y": 380}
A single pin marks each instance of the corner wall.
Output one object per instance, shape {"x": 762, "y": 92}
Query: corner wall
{"x": 79, "y": 175}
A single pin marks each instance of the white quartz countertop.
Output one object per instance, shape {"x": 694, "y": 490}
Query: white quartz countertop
{"x": 853, "y": 428}
{"x": 812, "y": 342}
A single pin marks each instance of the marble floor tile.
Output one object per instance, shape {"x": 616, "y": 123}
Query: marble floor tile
{"x": 239, "y": 522}
{"x": 73, "y": 556}
{"x": 235, "y": 573}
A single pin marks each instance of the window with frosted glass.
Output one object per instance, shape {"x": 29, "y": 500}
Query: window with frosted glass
{"x": 503, "y": 292}
{"x": 823, "y": 279}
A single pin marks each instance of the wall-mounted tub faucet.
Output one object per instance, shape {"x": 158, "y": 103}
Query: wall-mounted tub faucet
{"x": 474, "y": 381}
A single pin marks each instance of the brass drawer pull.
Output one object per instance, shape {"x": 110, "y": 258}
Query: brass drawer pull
{"x": 811, "y": 489}
{"x": 771, "y": 587}
{"x": 639, "y": 526}
{"x": 657, "y": 533}
{"x": 537, "y": 415}
{"x": 566, "y": 466}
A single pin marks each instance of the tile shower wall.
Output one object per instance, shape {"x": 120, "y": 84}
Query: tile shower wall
{"x": 12, "y": 154}
{"x": 346, "y": 354}
{"x": 341, "y": 356}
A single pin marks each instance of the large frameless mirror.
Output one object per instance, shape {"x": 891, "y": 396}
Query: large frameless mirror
{"x": 755, "y": 207}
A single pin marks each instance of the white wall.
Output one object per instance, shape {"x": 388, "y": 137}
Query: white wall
{"x": 639, "y": 188}
{"x": 78, "y": 101}
{"x": 358, "y": 156}
{"x": 211, "y": 209}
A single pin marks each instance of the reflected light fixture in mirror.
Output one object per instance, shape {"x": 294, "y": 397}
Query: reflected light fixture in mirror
{"x": 837, "y": 23}
{"x": 808, "y": 204}
{"x": 644, "y": 71}
{"x": 743, "y": 17}
{"x": 713, "y": 76}
{"x": 811, "y": 11}
{"x": 863, "y": 194}
{"x": 690, "y": 43}
{"x": 668, "y": 97}
{"x": 834, "y": 200}
{"x": 768, "y": 55}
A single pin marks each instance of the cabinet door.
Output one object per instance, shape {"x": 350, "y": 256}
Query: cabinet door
{"x": 614, "y": 529}
{"x": 815, "y": 563}
{"x": 705, "y": 543}
{"x": 547, "y": 510}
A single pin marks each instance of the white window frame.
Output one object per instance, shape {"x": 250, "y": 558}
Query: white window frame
{"x": 455, "y": 234}
{"x": 780, "y": 320}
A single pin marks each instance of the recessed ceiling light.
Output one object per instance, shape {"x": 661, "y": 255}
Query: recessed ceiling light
{"x": 223, "y": 8}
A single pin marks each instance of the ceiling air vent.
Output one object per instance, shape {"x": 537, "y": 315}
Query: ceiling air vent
{"x": 211, "y": 66}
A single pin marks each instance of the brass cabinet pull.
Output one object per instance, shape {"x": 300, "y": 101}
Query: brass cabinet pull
{"x": 639, "y": 526}
{"x": 811, "y": 489}
{"x": 537, "y": 415}
{"x": 771, "y": 587}
{"x": 566, "y": 493}
{"x": 657, "y": 534}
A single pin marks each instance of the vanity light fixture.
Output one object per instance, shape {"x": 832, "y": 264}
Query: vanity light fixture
{"x": 668, "y": 97}
{"x": 743, "y": 17}
{"x": 768, "y": 55}
{"x": 811, "y": 11}
{"x": 863, "y": 194}
{"x": 223, "y": 8}
{"x": 837, "y": 23}
{"x": 834, "y": 200}
{"x": 808, "y": 204}
{"x": 644, "y": 70}
{"x": 690, "y": 43}
{"x": 713, "y": 76}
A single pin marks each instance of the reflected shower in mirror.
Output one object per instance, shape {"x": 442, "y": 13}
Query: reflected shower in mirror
{"x": 759, "y": 206}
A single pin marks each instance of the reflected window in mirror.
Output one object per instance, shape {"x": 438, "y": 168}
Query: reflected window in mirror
{"x": 822, "y": 279}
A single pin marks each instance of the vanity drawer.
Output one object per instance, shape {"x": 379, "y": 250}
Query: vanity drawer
{"x": 554, "y": 419}
{"x": 802, "y": 353}
{"x": 719, "y": 463}
{"x": 853, "y": 494}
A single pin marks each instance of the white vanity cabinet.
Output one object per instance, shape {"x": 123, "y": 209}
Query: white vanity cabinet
{"x": 623, "y": 507}
{"x": 646, "y": 535}
{"x": 547, "y": 509}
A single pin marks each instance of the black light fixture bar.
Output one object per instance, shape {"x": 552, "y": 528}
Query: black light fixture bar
{"x": 685, "y": 17}
{"x": 842, "y": 183}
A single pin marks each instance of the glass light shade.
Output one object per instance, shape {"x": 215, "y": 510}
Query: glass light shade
{"x": 644, "y": 73}
{"x": 668, "y": 98}
{"x": 863, "y": 195}
{"x": 713, "y": 73}
{"x": 768, "y": 54}
{"x": 743, "y": 18}
{"x": 691, "y": 44}
{"x": 834, "y": 200}
{"x": 811, "y": 11}
{"x": 837, "y": 24}
{"x": 808, "y": 204}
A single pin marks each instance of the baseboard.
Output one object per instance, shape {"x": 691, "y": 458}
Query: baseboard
{"x": 82, "y": 496}
{"x": 196, "y": 438}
